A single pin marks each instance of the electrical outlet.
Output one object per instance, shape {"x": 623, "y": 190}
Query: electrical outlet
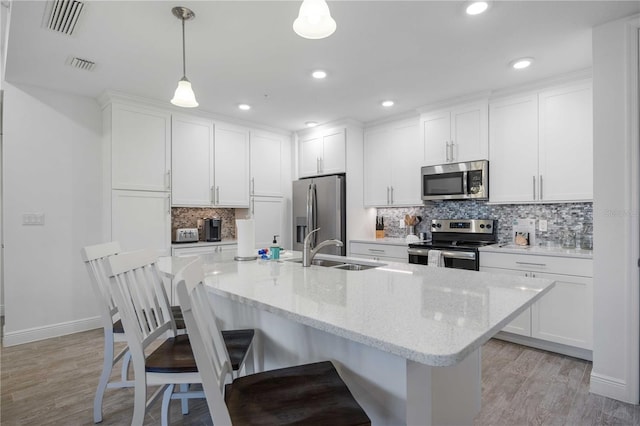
{"x": 542, "y": 225}
{"x": 401, "y": 224}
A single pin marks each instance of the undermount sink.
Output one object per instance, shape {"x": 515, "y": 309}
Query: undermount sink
{"x": 339, "y": 264}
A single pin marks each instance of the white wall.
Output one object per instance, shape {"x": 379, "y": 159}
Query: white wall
{"x": 51, "y": 165}
{"x": 616, "y": 210}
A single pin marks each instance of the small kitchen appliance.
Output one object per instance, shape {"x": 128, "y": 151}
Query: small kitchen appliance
{"x": 458, "y": 241}
{"x": 456, "y": 181}
{"x": 185, "y": 235}
{"x": 210, "y": 229}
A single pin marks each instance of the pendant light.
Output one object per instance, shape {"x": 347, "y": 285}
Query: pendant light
{"x": 314, "y": 20}
{"x": 184, "y": 96}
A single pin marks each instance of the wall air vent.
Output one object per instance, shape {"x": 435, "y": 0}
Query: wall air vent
{"x": 64, "y": 15}
{"x": 82, "y": 64}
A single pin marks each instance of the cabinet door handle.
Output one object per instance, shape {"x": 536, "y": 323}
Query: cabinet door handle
{"x": 213, "y": 195}
{"x": 169, "y": 179}
{"x": 532, "y": 264}
{"x": 217, "y": 195}
{"x": 388, "y": 201}
{"x": 317, "y": 164}
{"x": 534, "y": 187}
{"x": 391, "y": 194}
{"x": 168, "y": 204}
{"x": 453, "y": 157}
{"x": 376, "y": 250}
{"x": 446, "y": 151}
{"x": 253, "y": 206}
{"x": 541, "y": 187}
{"x": 253, "y": 186}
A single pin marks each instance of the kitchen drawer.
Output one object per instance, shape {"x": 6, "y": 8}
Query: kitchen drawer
{"x": 205, "y": 249}
{"x": 534, "y": 263}
{"x": 381, "y": 251}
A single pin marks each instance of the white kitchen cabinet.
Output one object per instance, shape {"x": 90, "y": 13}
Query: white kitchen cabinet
{"x": 566, "y": 143}
{"x": 456, "y": 134}
{"x": 141, "y": 219}
{"x": 513, "y": 149}
{"x": 322, "y": 153}
{"x": 192, "y": 161}
{"x": 266, "y": 164}
{"x": 231, "y": 166}
{"x": 268, "y": 216}
{"x": 392, "y": 160}
{"x": 541, "y": 146}
{"x": 565, "y": 314}
{"x": 522, "y": 323}
{"x": 379, "y": 251}
{"x": 140, "y": 142}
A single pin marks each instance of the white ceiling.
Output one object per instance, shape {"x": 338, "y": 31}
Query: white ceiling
{"x": 414, "y": 52}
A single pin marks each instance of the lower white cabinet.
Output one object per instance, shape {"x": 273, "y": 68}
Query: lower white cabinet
{"x": 565, "y": 314}
{"x": 379, "y": 251}
{"x": 141, "y": 219}
{"x": 268, "y": 216}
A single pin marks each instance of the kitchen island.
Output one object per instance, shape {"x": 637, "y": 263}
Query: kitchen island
{"x": 405, "y": 338}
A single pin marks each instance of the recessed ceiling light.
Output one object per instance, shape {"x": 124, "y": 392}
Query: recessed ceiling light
{"x": 244, "y": 107}
{"x": 311, "y": 124}
{"x": 521, "y": 63}
{"x": 477, "y": 7}
{"x": 319, "y": 74}
{"x": 387, "y": 104}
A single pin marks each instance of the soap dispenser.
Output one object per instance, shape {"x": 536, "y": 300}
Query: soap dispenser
{"x": 275, "y": 248}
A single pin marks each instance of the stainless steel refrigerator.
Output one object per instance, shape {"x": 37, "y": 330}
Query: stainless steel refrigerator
{"x": 320, "y": 202}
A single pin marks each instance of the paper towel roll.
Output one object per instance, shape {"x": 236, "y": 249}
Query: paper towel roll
{"x": 246, "y": 238}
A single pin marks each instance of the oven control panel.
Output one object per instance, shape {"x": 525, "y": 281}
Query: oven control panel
{"x": 471, "y": 226}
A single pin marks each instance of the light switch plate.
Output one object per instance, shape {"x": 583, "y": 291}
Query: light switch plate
{"x": 33, "y": 219}
{"x": 401, "y": 224}
{"x": 542, "y": 225}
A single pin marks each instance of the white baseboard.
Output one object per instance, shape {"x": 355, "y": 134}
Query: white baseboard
{"x": 55, "y": 330}
{"x": 545, "y": 345}
{"x": 610, "y": 387}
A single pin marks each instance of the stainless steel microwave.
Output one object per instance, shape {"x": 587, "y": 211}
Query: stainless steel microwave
{"x": 456, "y": 181}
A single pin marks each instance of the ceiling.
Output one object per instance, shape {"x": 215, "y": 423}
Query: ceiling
{"x": 414, "y": 52}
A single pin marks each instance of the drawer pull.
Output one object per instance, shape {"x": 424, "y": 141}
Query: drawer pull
{"x": 376, "y": 250}
{"x": 532, "y": 264}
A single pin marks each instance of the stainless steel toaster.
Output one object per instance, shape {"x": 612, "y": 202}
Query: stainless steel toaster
{"x": 185, "y": 235}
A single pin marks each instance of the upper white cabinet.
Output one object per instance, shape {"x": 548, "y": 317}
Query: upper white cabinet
{"x": 192, "y": 161}
{"x": 566, "y": 143}
{"x": 210, "y": 163}
{"x": 456, "y": 134}
{"x": 541, "y": 146}
{"x": 140, "y": 147}
{"x": 392, "y": 160}
{"x": 231, "y": 166}
{"x": 513, "y": 140}
{"x": 322, "y": 153}
{"x": 266, "y": 164}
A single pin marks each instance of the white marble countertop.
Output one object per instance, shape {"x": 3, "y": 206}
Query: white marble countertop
{"x": 435, "y": 316}
{"x": 204, "y": 244}
{"x": 556, "y": 251}
{"x": 387, "y": 240}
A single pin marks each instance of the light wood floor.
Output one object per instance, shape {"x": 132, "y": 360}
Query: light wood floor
{"x": 52, "y": 382}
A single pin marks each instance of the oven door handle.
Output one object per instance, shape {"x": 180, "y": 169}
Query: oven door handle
{"x": 465, "y": 255}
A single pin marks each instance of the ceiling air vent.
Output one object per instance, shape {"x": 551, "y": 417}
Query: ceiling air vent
{"x": 82, "y": 64}
{"x": 64, "y": 15}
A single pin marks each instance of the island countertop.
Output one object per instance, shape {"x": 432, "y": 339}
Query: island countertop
{"x": 434, "y": 316}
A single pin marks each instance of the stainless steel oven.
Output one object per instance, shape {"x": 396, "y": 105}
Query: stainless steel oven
{"x": 457, "y": 242}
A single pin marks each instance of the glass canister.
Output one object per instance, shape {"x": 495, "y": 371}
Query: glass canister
{"x": 586, "y": 241}
{"x": 568, "y": 238}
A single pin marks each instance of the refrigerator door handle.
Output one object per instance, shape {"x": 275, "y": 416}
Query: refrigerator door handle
{"x": 314, "y": 214}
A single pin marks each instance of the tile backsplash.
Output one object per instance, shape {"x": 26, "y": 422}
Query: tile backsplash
{"x": 187, "y": 217}
{"x": 559, "y": 216}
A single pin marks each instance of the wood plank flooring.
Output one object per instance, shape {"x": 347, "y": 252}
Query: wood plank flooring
{"x": 52, "y": 382}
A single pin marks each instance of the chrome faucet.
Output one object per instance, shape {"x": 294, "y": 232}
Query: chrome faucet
{"x": 308, "y": 254}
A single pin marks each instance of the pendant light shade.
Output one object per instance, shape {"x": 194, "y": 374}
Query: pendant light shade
{"x": 184, "y": 96}
{"x": 314, "y": 20}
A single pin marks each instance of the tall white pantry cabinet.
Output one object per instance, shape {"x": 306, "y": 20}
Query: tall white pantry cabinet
{"x": 137, "y": 170}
